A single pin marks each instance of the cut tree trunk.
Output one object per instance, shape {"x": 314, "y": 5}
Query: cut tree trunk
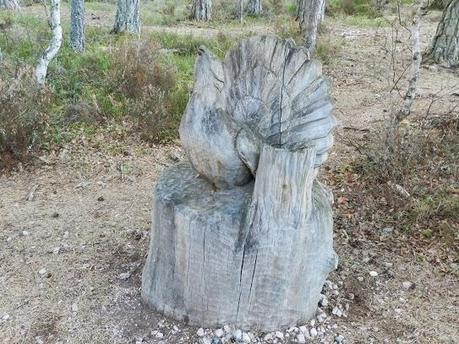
{"x": 255, "y": 7}
{"x": 127, "y": 17}
{"x": 242, "y": 233}
{"x": 10, "y": 4}
{"x": 310, "y": 14}
{"x": 213, "y": 261}
{"x": 201, "y": 10}
{"x": 445, "y": 45}
{"x": 77, "y": 29}
{"x": 55, "y": 44}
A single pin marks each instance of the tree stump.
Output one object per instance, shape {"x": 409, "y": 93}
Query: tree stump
{"x": 242, "y": 234}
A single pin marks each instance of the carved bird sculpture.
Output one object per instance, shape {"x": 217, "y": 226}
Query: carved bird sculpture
{"x": 266, "y": 90}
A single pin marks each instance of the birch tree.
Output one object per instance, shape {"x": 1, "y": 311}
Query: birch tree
{"x": 445, "y": 45}
{"x": 127, "y": 17}
{"x": 255, "y": 7}
{"x": 310, "y": 14}
{"x": 201, "y": 10}
{"x": 77, "y": 26}
{"x": 54, "y": 22}
{"x": 10, "y": 4}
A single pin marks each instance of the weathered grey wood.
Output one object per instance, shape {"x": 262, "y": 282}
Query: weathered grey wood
{"x": 242, "y": 233}
{"x": 310, "y": 14}
{"x": 232, "y": 257}
{"x": 445, "y": 45}
{"x": 266, "y": 87}
{"x": 54, "y": 21}
{"x": 10, "y": 5}
{"x": 127, "y": 17}
{"x": 201, "y": 10}
{"x": 255, "y": 7}
{"x": 77, "y": 25}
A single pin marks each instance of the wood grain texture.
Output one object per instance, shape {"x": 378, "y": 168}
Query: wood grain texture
{"x": 242, "y": 234}
{"x": 265, "y": 86}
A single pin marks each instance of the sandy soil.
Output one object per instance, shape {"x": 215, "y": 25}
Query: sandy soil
{"x": 66, "y": 249}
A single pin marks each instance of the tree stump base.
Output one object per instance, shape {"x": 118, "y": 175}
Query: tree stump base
{"x": 221, "y": 257}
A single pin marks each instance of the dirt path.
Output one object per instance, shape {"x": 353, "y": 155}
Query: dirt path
{"x": 71, "y": 256}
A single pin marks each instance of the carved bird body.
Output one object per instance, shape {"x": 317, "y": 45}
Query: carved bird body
{"x": 265, "y": 91}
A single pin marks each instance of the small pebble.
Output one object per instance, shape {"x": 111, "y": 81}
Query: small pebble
{"x": 300, "y": 338}
{"x": 339, "y": 339}
{"x": 200, "y": 332}
{"x": 42, "y": 271}
{"x": 337, "y": 311}
{"x": 159, "y": 335}
{"x": 279, "y": 335}
{"x": 373, "y": 274}
{"x": 246, "y": 338}
{"x": 219, "y": 333}
{"x": 313, "y": 332}
{"x": 237, "y": 335}
{"x": 407, "y": 285}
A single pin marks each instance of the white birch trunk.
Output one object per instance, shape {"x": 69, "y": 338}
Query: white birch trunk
{"x": 127, "y": 17}
{"x": 201, "y": 10}
{"x": 55, "y": 44}
{"x": 445, "y": 45}
{"x": 416, "y": 60}
{"x": 310, "y": 15}
{"x": 255, "y": 7}
{"x": 77, "y": 25}
{"x": 10, "y": 5}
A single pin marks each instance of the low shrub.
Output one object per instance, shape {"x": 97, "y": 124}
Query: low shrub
{"x": 23, "y": 107}
{"x": 412, "y": 170}
{"x": 141, "y": 74}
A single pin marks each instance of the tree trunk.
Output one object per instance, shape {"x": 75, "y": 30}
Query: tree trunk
{"x": 201, "y": 10}
{"x": 310, "y": 14}
{"x": 445, "y": 45}
{"x": 127, "y": 17}
{"x": 255, "y": 7}
{"x": 55, "y": 44}
{"x": 77, "y": 30}
{"x": 10, "y": 4}
{"x": 209, "y": 264}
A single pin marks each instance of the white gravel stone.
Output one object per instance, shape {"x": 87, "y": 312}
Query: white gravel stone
{"x": 407, "y": 285}
{"x": 339, "y": 339}
{"x": 124, "y": 276}
{"x": 42, "y": 271}
{"x": 304, "y": 329}
{"x": 337, "y": 311}
{"x": 323, "y": 301}
{"x": 219, "y": 332}
{"x": 279, "y": 335}
{"x": 268, "y": 336}
{"x": 313, "y": 332}
{"x": 159, "y": 335}
{"x": 246, "y": 338}
{"x": 237, "y": 335}
{"x": 300, "y": 338}
{"x": 373, "y": 274}
{"x": 200, "y": 332}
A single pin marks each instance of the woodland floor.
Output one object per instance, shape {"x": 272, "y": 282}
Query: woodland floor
{"x": 62, "y": 252}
